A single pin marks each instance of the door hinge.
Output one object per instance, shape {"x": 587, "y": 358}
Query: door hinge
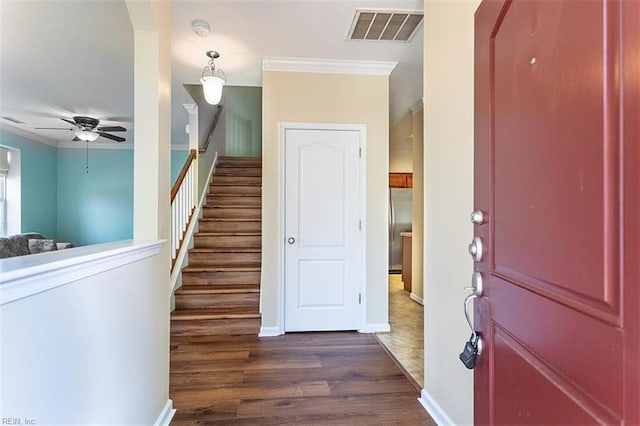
{"x": 360, "y": 152}
{"x": 359, "y": 225}
{"x": 359, "y": 298}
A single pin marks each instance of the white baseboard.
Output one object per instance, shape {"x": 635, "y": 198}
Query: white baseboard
{"x": 270, "y": 332}
{"x": 375, "y": 328}
{"x": 434, "y": 409}
{"x": 165, "y": 416}
{"x": 416, "y": 298}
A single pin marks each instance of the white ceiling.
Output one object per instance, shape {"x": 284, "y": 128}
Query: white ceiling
{"x": 64, "y": 58}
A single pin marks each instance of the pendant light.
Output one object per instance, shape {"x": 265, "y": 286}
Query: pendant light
{"x": 212, "y": 80}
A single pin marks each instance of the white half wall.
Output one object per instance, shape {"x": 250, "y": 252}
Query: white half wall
{"x": 85, "y": 336}
{"x": 448, "y": 200}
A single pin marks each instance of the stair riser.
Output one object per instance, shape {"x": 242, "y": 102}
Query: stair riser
{"x": 251, "y": 164}
{"x": 235, "y": 190}
{"x": 221, "y": 259}
{"x": 205, "y": 301}
{"x": 218, "y": 326}
{"x": 232, "y": 159}
{"x": 227, "y": 241}
{"x": 237, "y": 180}
{"x": 226, "y": 277}
{"x": 230, "y": 213}
{"x": 224, "y": 226}
{"x": 238, "y": 171}
{"x": 219, "y": 200}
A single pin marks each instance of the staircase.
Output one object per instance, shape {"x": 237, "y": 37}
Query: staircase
{"x": 221, "y": 286}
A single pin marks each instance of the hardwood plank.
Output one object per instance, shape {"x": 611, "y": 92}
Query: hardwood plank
{"x": 298, "y": 378}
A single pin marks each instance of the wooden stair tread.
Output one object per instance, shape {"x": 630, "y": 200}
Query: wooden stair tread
{"x": 226, "y": 250}
{"x": 240, "y": 288}
{"x": 221, "y": 269}
{"x": 188, "y": 291}
{"x": 229, "y": 234}
{"x": 229, "y": 219}
{"x": 216, "y": 313}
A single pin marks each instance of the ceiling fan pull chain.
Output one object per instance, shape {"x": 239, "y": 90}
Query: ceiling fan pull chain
{"x": 87, "y": 158}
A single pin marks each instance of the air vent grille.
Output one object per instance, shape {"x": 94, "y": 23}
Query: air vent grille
{"x": 386, "y": 25}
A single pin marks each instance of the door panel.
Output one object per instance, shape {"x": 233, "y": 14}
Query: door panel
{"x": 546, "y": 183}
{"x": 556, "y": 133}
{"x": 322, "y": 213}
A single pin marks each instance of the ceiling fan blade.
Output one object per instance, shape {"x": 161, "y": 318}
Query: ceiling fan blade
{"x": 112, "y": 137}
{"x": 111, "y": 129}
{"x": 73, "y": 123}
{"x": 76, "y": 139}
{"x": 51, "y": 128}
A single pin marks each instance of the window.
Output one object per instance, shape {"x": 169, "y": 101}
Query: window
{"x": 3, "y": 204}
{"x": 4, "y": 171}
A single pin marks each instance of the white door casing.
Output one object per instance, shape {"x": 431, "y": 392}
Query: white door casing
{"x": 323, "y": 229}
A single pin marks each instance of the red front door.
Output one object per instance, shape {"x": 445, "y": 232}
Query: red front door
{"x": 557, "y": 176}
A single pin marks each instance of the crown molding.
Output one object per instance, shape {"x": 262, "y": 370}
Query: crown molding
{"x": 28, "y": 135}
{"x": 417, "y": 106}
{"x": 191, "y": 108}
{"x": 328, "y": 66}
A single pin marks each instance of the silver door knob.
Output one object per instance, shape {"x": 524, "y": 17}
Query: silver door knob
{"x": 291, "y": 240}
{"x": 477, "y": 217}
{"x": 475, "y": 249}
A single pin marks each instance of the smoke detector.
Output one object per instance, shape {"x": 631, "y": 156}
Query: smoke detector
{"x": 201, "y": 28}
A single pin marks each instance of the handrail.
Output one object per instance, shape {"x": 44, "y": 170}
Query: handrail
{"x": 183, "y": 204}
{"x": 183, "y": 173}
{"x": 216, "y": 118}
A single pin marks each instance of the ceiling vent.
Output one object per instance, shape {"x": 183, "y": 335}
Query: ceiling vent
{"x": 389, "y": 25}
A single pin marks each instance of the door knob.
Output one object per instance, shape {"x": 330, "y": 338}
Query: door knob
{"x": 475, "y": 249}
{"x": 291, "y": 240}
{"x": 477, "y": 217}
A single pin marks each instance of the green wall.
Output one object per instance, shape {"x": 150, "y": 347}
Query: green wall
{"x": 38, "y": 184}
{"x": 243, "y": 120}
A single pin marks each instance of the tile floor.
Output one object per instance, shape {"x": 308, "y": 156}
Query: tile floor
{"x": 406, "y": 339}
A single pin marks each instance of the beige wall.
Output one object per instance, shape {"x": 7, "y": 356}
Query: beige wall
{"x": 417, "y": 241}
{"x": 448, "y": 178}
{"x": 327, "y": 98}
{"x": 400, "y": 145}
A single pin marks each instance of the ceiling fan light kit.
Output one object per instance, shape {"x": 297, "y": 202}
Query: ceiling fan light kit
{"x": 212, "y": 80}
{"x": 86, "y": 135}
{"x": 86, "y": 129}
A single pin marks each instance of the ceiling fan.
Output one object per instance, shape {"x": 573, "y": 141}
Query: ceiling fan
{"x": 86, "y": 129}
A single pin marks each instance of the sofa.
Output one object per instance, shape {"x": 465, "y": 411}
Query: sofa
{"x": 29, "y": 243}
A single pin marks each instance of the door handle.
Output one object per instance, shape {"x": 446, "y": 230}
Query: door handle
{"x": 291, "y": 240}
{"x": 476, "y": 284}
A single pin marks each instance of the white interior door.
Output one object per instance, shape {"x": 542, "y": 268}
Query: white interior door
{"x": 322, "y": 230}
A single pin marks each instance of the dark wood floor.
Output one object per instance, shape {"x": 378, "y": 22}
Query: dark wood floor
{"x": 298, "y": 379}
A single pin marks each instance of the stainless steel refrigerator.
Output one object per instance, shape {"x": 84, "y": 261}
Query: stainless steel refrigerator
{"x": 400, "y": 217}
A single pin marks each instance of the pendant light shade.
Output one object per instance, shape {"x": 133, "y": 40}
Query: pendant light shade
{"x": 212, "y": 80}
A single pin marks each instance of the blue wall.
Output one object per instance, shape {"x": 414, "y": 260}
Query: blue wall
{"x": 177, "y": 161}
{"x": 62, "y": 201}
{"x": 95, "y": 207}
{"x": 38, "y": 184}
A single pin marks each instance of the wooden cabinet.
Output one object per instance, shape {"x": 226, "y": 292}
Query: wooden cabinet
{"x": 400, "y": 180}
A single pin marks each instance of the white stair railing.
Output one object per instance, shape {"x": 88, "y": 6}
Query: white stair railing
{"x": 183, "y": 204}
